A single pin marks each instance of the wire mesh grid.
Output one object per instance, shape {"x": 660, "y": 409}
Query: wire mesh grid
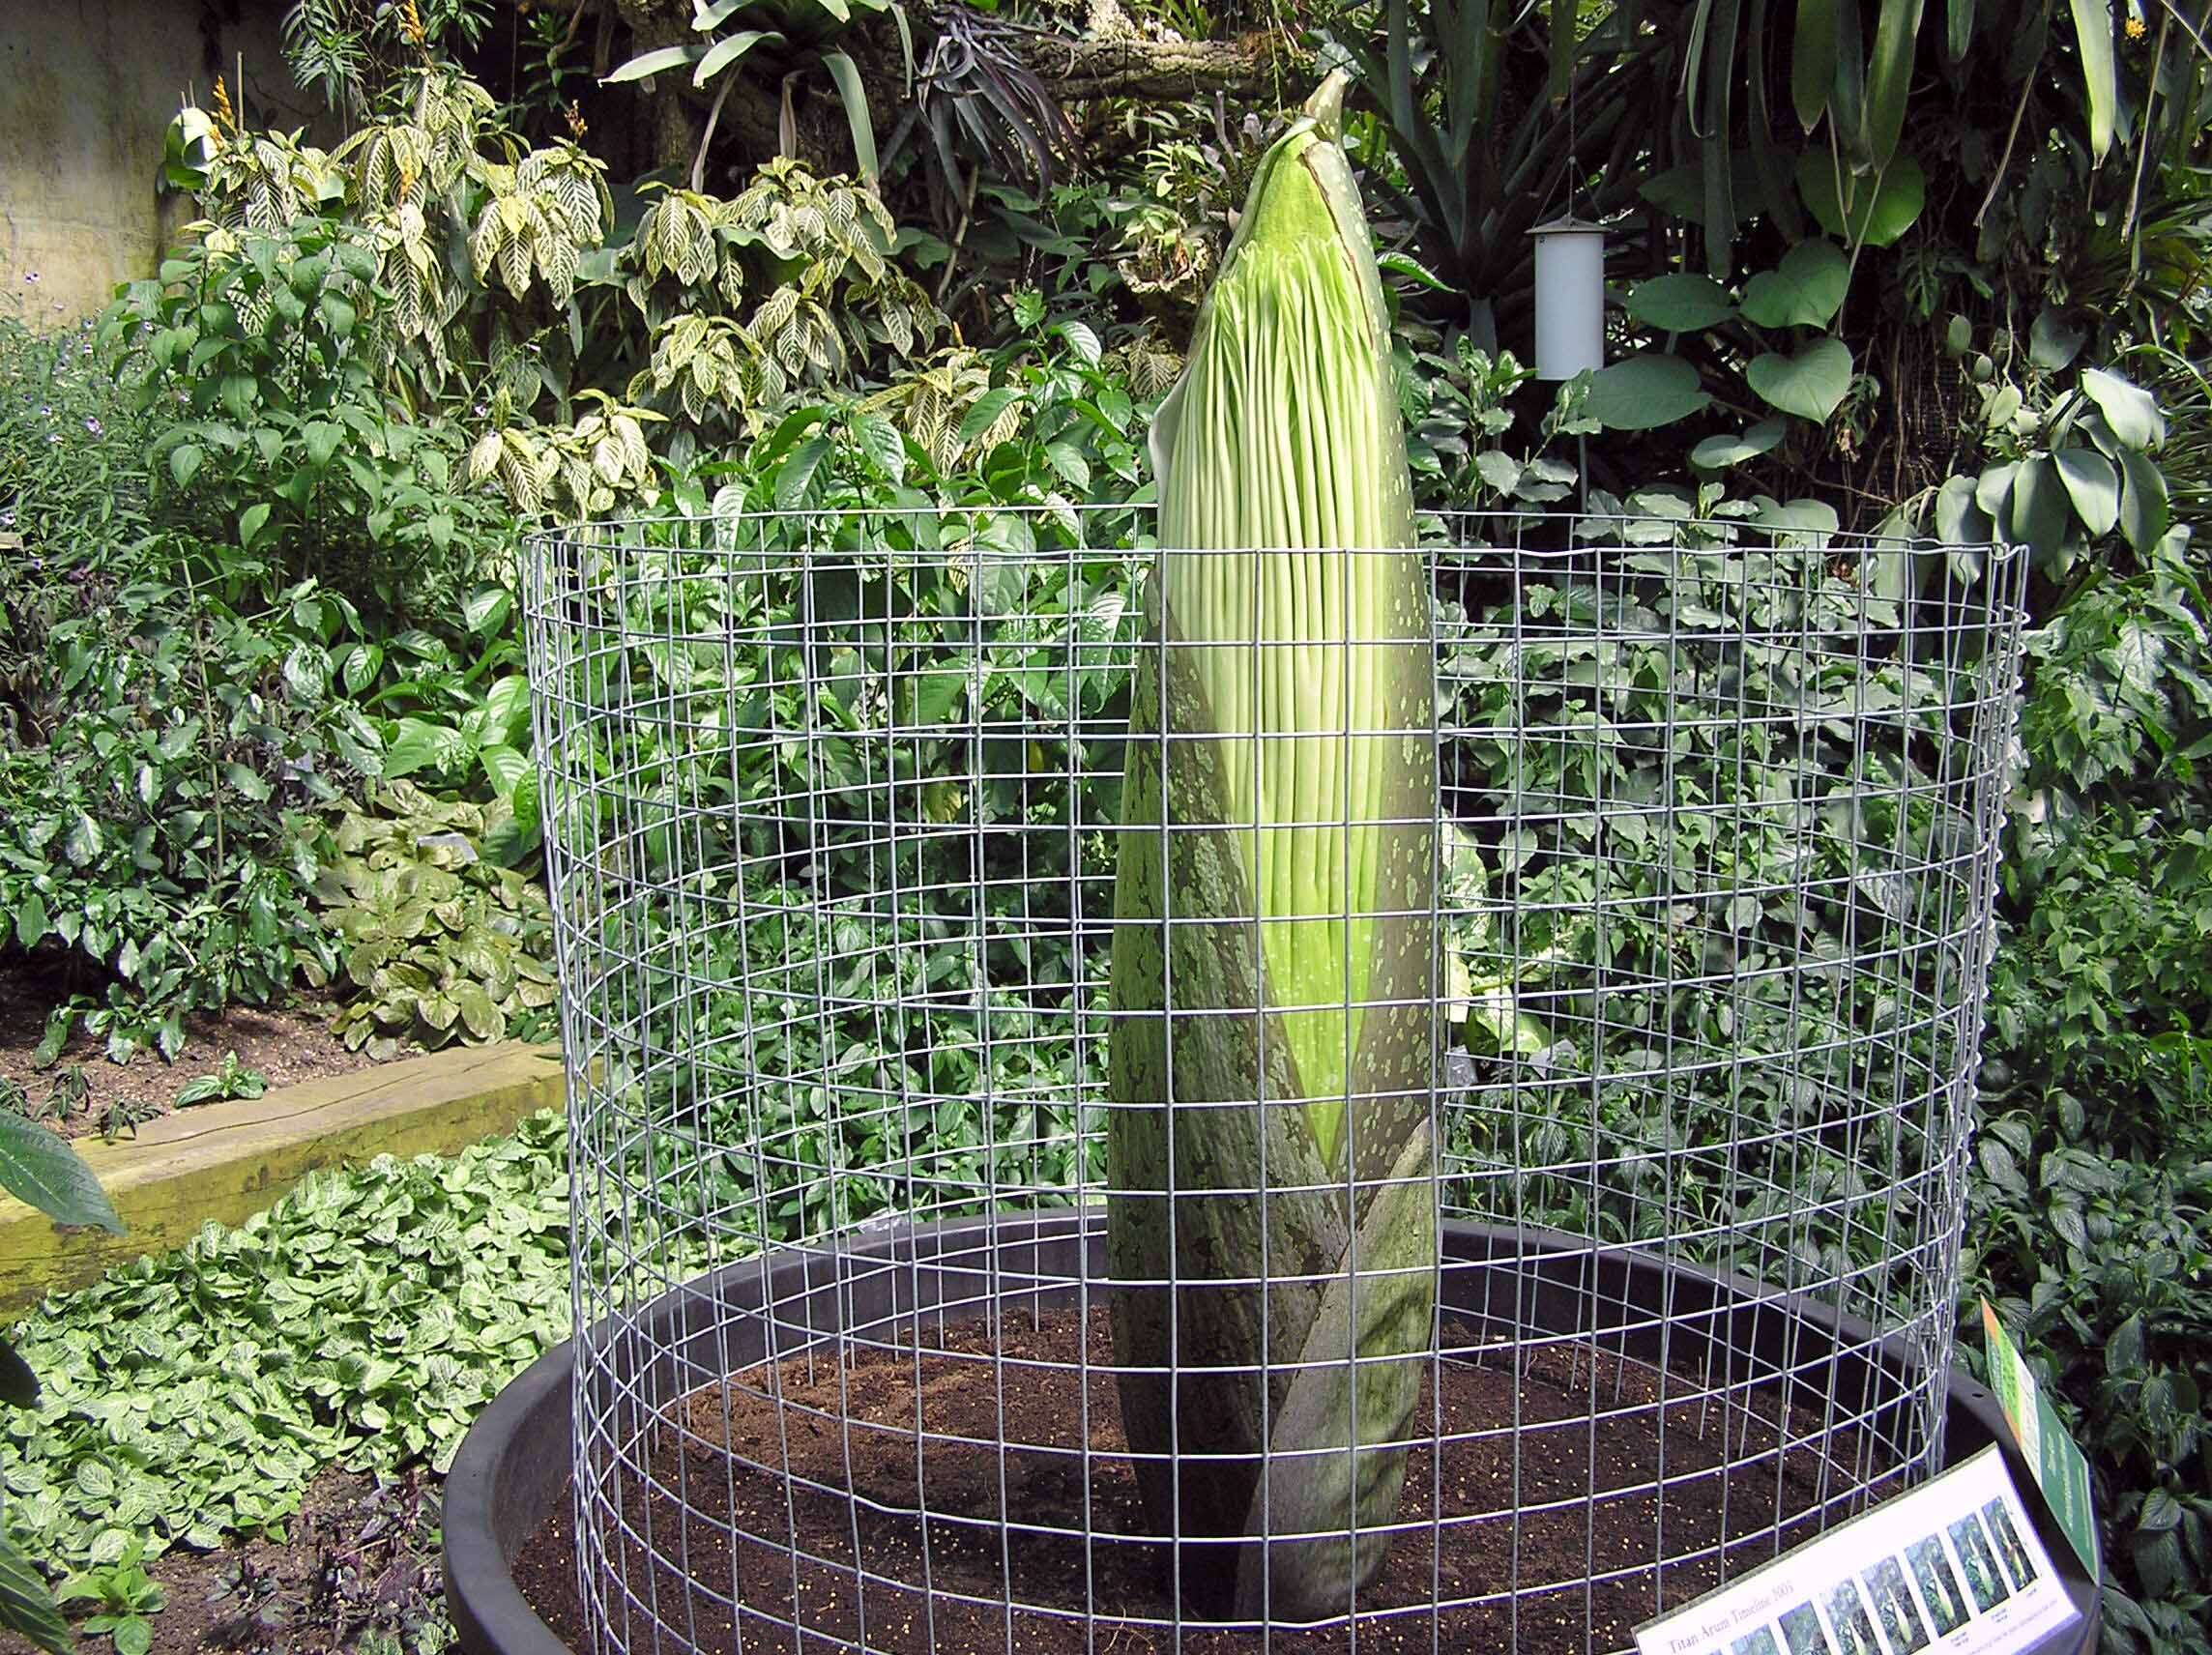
{"x": 833, "y": 811}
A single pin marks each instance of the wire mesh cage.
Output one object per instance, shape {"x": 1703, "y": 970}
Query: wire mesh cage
{"x": 1571, "y": 1163}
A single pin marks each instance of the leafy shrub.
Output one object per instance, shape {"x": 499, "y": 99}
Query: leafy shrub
{"x": 437, "y": 941}
{"x": 155, "y": 801}
{"x": 265, "y": 350}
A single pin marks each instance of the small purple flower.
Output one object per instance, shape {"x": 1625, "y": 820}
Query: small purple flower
{"x": 30, "y": 276}
{"x": 93, "y": 425}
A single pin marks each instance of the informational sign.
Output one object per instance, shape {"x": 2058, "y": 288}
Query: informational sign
{"x": 1953, "y": 1568}
{"x": 2057, "y": 1463}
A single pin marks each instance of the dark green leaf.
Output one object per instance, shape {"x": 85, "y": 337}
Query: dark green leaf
{"x": 18, "y": 1385}
{"x": 2093, "y": 486}
{"x": 1679, "y": 303}
{"x": 2144, "y": 511}
{"x": 1882, "y": 210}
{"x": 2093, "y": 41}
{"x": 1643, "y": 391}
{"x": 2131, "y": 413}
{"x": 1716, "y": 453}
{"x": 35, "y": 1166}
{"x": 1804, "y": 290}
{"x": 1889, "y": 75}
{"x": 1813, "y": 61}
{"x": 26, "y": 1605}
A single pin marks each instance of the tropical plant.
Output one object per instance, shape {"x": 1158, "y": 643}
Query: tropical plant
{"x": 1283, "y": 433}
{"x": 791, "y": 38}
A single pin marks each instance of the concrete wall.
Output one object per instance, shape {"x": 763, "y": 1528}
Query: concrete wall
{"x": 87, "y": 90}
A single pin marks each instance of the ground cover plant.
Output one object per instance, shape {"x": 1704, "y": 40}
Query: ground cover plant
{"x": 262, "y": 725}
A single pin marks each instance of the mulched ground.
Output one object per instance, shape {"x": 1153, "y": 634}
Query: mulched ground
{"x": 686, "y": 1581}
{"x": 357, "y": 1571}
{"x": 284, "y": 1046}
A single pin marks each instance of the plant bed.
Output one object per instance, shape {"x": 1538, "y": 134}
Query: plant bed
{"x": 354, "y": 1569}
{"x": 221, "y": 1162}
{"x": 510, "y": 1547}
{"x": 236, "y": 1053}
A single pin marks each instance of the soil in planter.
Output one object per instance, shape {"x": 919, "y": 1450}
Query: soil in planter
{"x": 686, "y": 1574}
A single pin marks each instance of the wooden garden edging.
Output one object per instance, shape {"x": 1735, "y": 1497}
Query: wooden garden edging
{"x": 227, "y": 1161}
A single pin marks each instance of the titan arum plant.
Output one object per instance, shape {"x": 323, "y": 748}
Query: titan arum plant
{"x": 1271, "y": 1055}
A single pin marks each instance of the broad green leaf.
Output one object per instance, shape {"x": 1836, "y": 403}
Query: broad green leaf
{"x": 2052, "y": 343}
{"x": 2039, "y": 507}
{"x": 2093, "y": 41}
{"x": 985, "y": 413}
{"x": 1811, "y": 384}
{"x": 250, "y": 523}
{"x": 30, "y": 919}
{"x": 2131, "y": 413}
{"x": 1880, "y": 209}
{"x": 2141, "y": 655}
{"x": 1992, "y": 490}
{"x": 1804, "y": 290}
{"x": 846, "y": 74}
{"x": 1715, "y": 453}
{"x": 1889, "y": 75}
{"x": 795, "y": 475}
{"x": 321, "y": 439}
{"x": 503, "y": 768}
{"x": 881, "y": 442}
{"x": 2144, "y": 509}
{"x": 1813, "y": 61}
{"x": 1959, "y": 520}
{"x": 37, "y": 1167}
{"x": 1959, "y": 35}
{"x": 185, "y": 462}
{"x": 486, "y": 609}
{"x": 724, "y": 52}
{"x": 1641, "y": 393}
{"x": 650, "y": 63}
{"x": 1680, "y": 303}
{"x": 2093, "y": 484}
{"x": 1814, "y": 520}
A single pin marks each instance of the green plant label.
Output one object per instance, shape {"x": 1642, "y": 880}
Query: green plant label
{"x": 2061, "y": 1469}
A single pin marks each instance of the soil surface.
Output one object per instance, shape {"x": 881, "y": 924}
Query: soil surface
{"x": 1586, "y": 1424}
{"x": 357, "y": 1571}
{"x": 282, "y": 1046}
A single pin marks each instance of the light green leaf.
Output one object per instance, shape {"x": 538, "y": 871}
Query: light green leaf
{"x": 250, "y": 522}
{"x": 486, "y": 609}
{"x": 1804, "y": 290}
{"x": 1959, "y": 520}
{"x": 185, "y": 462}
{"x": 1811, "y": 384}
{"x": 1716, "y": 453}
{"x": 650, "y": 63}
{"x": 846, "y": 74}
{"x": 1879, "y": 211}
{"x": 2093, "y": 484}
{"x": 2093, "y": 40}
{"x": 797, "y": 473}
{"x": 1889, "y": 75}
{"x": 1679, "y": 303}
{"x": 881, "y": 442}
{"x": 30, "y": 919}
{"x": 724, "y": 52}
{"x": 37, "y": 1167}
{"x": 2131, "y": 413}
{"x": 1643, "y": 391}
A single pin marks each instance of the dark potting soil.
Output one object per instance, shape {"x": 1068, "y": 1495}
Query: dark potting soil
{"x": 686, "y": 1575}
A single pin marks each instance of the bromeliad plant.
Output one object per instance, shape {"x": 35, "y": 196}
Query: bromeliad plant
{"x": 1272, "y": 1225}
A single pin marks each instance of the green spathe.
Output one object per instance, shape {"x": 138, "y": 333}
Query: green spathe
{"x": 1273, "y": 1113}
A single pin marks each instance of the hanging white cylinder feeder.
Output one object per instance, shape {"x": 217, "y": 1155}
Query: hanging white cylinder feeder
{"x": 1570, "y": 297}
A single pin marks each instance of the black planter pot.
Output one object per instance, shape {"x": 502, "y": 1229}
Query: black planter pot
{"x": 514, "y": 1463}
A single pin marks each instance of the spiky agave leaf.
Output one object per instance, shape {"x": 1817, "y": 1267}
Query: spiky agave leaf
{"x": 1272, "y": 1050}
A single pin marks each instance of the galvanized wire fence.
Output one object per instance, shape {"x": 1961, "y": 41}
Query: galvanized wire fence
{"x": 833, "y": 810}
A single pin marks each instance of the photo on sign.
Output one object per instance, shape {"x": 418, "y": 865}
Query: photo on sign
{"x": 1854, "y": 1627}
{"x": 1938, "y": 1584}
{"x": 1978, "y": 1560}
{"x": 1802, "y": 1632}
{"x": 1901, "y": 1624}
{"x": 2017, "y": 1561}
{"x": 1760, "y": 1642}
